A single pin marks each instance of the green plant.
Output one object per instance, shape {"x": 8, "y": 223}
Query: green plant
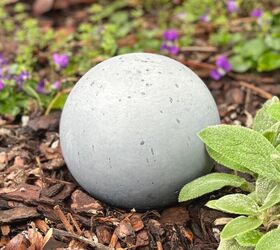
{"x": 255, "y": 152}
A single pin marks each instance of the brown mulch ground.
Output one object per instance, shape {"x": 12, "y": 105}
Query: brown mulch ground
{"x": 42, "y": 205}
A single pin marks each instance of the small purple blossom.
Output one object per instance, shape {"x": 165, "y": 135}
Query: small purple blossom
{"x": 205, "y": 17}
{"x": 223, "y": 66}
{"x": 56, "y": 85}
{"x": 60, "y": 60}
{"x": 1, "y": 85}
{"x": 174, "y": 50}
{"x": 169, "y": 42}
{"x": 231, "y": 6}
{"x": 41, "y": 87}
{"x": 3, "y": 61}
{"x": 222, "y": 62}
{"x": 257, "y": 13}
{"x": 170, "y": 47}
{"x": 170, "y": 35}
{"x": 215, "y": 75}
{"x": 21, "y": 78}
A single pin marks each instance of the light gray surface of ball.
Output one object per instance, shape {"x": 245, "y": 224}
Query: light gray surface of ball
{"x": 129, "y": 130}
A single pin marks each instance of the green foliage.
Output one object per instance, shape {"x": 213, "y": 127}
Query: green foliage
{"x": 249, "y": 239}
{"x": 269, "y": 61}
{"x": 210, "y": 183}
{"x": 270, "y": 241}
{"x": 255, "y": 152}
{"x": 243, "y": 146}
{"x": 239, "y": 226}
{"x": 235, "y": 204}
{"x": 116, "y": 27}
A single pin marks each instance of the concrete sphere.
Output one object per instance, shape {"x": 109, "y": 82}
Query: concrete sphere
{"x": 129, "y": 130}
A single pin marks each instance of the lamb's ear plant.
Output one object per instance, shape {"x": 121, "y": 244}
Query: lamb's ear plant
{"x": 255, "y": 152}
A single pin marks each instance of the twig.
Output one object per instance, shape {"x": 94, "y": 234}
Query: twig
{"x": 42, "y": 225}
{"x": 76, "y": 225}
{"x": 159, "y": 245}
{"x": 63, "y": 219}
{"x": 41, "y": 169}
{"x": 114, "y": 240}
{"x": 197, "y": 64}
{"x": 252, "y": 78}
{"x": 199, "y": 49}
{"x": 97, "y": 246}
{"x": 52, "y": 180}
{"x": 256, "y": 89}
{"x": 242, "y": 21}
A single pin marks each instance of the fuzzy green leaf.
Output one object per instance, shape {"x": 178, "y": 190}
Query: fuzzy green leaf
{"x": 263, "y": 120}
{"x": 226, "y": 162}
{"x": 236, "y": 204}
{"x": 272, "y": 134}
{"x": 231, "y": 245}
{"x": 270, "y": 241}
{"x": 209, "y": 183}
{"x": 274, "y": 111}
{"x": 239, "y": 64}
{"x": 240, "y": 225}
{"x": 253, "y": 48}
{"x": 244, "y": 146}
{"x": 269, "y": 61}
{"x": 272, "y": 198}
{"x": 273, "y": 42}
{"x": 249, "y": 239}
{"x": 263, "y": 187}
{"x": 212, "y": 204}
{"x": 30, "y": 91}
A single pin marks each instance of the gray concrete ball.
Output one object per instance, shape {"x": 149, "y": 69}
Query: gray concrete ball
{"x": 129, "y": 129}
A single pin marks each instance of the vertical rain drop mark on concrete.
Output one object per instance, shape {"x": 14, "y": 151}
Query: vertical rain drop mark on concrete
{"x": 110, "y": 165}
{"x": 142, "y": 143}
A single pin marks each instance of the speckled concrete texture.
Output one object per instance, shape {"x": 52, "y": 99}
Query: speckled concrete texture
{"x": 129, "y": 130}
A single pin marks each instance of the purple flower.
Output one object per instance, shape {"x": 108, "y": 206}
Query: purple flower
{"x": 170, "y": 35}
{"x": 222, "y": 62}
{"x": 21, "y": 78}
{"x": 3, "y": 61}
{"x": 222, "y": 67}
{"x": 256, "y": 13}
{"x": 174, "y": 50}
{"x": 60, "y": 60}
{"x": 169, "y": 42}
{"x": 231, "y": 6}
{"x": 205, "y": 17}
{"x": 1, "y": 85}
{"x": 56, "y": 85}
{"x": 215, "y": 75}
{"x": 41, "y": 87}
{"x": 170, "y": 48}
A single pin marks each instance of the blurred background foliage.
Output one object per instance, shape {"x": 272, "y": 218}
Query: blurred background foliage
{"x": 30, "y": 77}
